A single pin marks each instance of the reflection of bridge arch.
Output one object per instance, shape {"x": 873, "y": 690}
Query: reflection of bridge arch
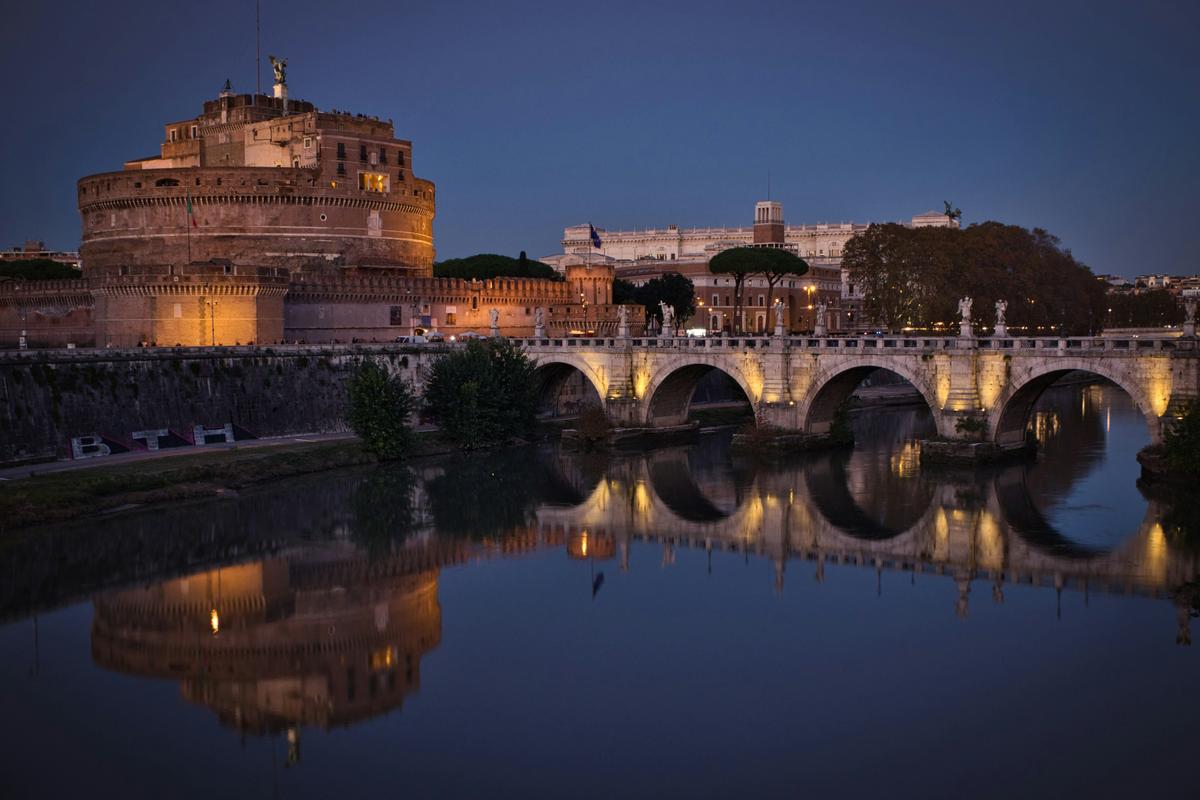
{"x": 552, "y": 374}
{"x": 1010, "y": 413}
{"x": 669, "y": 393}
{"x": 835, "y": 383}
{"x": 1026, "y": 520}
{"x": 829, "y": 490}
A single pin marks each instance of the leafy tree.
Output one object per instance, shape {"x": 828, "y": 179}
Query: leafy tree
{"x": 624, "y": 292}
{"x": 483, "y": 394}
{"x": 38, "y": 269}
{"x": 916, "y": 276}
{"x": 741, "y": 262}
{"x": 671, "y": 288}
{"x": 1153, "y": 309}
{"x": 490, "y": 265}
{"x": 1181, "y": 441}
{"x": 380, "y": 405}
{"x": 383, "y": 508}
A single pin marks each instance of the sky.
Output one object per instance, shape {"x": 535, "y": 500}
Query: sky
{"x": 1080, "y": 118}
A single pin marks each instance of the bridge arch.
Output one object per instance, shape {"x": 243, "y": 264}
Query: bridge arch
{"x": 1009, "y": 416}
{"x": 833, "y": 385}
{"x": 551, "y": 375}
{"x": 668, "y": 396}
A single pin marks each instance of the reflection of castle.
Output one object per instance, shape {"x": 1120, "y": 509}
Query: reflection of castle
{"x": 263, "y": 219}
{"x": 274, "y": 645}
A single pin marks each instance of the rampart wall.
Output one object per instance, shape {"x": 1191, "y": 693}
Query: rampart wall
{"x": 49, "y": 397}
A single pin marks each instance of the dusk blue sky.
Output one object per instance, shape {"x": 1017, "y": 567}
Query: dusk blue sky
{"x": 1082, "y": 118}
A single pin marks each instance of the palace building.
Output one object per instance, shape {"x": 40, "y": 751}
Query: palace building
{"x": 264, "y": 219}
{"x": 639, "y": 255}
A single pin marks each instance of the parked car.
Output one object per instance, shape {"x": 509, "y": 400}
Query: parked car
{"x": 467, "y": 336}
{"x": 435, "y": 337}
{"x": 411, "y": 340}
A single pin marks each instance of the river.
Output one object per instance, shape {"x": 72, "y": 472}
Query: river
{"x": 677, "y": 622}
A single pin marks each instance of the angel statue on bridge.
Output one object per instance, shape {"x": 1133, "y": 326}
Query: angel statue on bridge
{"x": 1001, "y": 307}
{"x": 964, "y": 308}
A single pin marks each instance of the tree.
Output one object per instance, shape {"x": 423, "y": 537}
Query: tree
{"x": 740, "y": 262}
{"x": 915, "y": 276}
{"x": 38, "y": 269}
{"x": 1152, "y": 309}
{"x": 482, "y": 395}
{"x": 380, "y": 405}
{"x": 624, "y": 292}
{"x": 485, "y": 266}
{"x": 671, "y": 288}
{"x": 1181, "y": 441}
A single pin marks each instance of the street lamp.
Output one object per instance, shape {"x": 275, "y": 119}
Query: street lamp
{"x": 212, "y": 304}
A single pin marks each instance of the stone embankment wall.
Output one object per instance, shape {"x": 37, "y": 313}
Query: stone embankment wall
{"x": 49, "y": 397}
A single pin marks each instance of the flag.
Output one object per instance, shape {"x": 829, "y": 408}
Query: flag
{"x": 595, "y": 236}
{"x": 191, "y": 216}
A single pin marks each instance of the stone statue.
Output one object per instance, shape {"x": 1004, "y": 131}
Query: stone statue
{"x": 279, "y": 65}
{"x": 778, "y": 313}
{"x": 539, "y": 317}
{"x": 964, "y": 308}
{"x": 668, "y": 318}
{"x": 494, "y": 316}
{"x": 623, "y": 315}
{"x": 820, "y": 327}
{"x": 1189, "y": 324}
{"x": 1001, "y": 328}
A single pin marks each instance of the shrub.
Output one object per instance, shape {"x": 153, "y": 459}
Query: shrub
{"x": 380, "y": 406}
{"x": 483, "y": 394}
{"x": 1181, "y": 441}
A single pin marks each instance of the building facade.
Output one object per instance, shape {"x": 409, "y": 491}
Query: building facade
{"x": 639, "y": 255}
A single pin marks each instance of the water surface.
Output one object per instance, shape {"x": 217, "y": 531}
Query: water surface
{"x": 680, "y": 622}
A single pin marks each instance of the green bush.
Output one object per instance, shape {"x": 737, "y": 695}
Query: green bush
{"x": 1181, "y": 440}
{"x": 380, "y": 406}
{"x": 482, "y": 395}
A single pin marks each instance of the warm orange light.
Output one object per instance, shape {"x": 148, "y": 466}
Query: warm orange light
{"x": 214, "y": 621}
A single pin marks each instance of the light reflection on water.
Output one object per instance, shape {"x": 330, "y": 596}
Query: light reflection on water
{"x": 516, "y": 611}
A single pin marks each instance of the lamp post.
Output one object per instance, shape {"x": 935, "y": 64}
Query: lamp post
{"x": 212, "y": 304}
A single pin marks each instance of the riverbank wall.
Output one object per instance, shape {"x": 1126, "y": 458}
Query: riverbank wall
{"x": 76, "y": 403}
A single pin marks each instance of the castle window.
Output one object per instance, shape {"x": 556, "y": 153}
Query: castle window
{"x": 374, "y": 159}
{"x": 307, "y": 142}
{"x": 197, "y": 181}
{"x": 171, "y": 134}
{"x": 362, "y": 152}
{"x": 218, "y": 181}
{"x": 195, "y": 131}
{"x": 396, "y": 315}
{"x": 166, "y": 182}
{"x": 382, "y": 155}
{"x": 373, "y": 181}
{"x": 716, "y": 299}
{"x": 341, "y": 170}
{"x": 341, "y": 150}
{"x": 451, "y": 318}
{"x": 400, "y": 158}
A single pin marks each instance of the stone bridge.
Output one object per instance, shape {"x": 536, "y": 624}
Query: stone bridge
{"x": 798, "y": 383}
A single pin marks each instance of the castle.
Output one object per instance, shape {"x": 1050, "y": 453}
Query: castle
{"x": 263, "y": 220}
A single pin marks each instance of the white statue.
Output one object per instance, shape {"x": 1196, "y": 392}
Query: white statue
{"x": 1189, "y": 307}
{"x": 820, "y": 315}
{"x": 964, "y": 308}
{"x": 539, "y": 317}
{"x": 778, "y": 313}
{"x": 668, "y": 318}
{"x": 623, "y": 315}
{"x": 494, "y": 315}
{"x": 1001, "y": 307}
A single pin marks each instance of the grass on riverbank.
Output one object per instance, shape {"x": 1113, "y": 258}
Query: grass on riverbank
{"x": 66, "y": 495}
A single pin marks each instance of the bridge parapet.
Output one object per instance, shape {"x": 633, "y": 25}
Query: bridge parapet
{"x": 978, "y": 388}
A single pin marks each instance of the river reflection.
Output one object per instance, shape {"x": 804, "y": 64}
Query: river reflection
{"x": 313, "y": 606}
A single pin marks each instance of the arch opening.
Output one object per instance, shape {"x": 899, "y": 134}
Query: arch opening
{"x": 870, "y": 387}
{"x": 563, "y": 391}
{"x": 710, "y": 388}
{"x": 1015, "y": 421}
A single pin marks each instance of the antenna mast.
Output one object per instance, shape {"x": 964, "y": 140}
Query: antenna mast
{"x": 257, "y": 47}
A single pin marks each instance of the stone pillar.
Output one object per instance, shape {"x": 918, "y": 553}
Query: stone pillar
{"x": 1001, "y": 331}
{"x": 963, "y": 398}
{"x": 820, "y": 330}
